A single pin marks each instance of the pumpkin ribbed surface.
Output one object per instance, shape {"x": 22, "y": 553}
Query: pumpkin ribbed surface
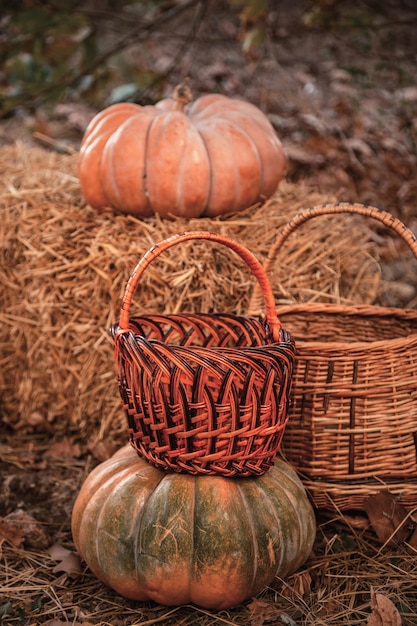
{"x": 178, "y": 539}
{"x": 213, "y": 156}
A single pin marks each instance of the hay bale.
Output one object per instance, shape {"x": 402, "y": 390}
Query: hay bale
{"x": 65, "y": 267}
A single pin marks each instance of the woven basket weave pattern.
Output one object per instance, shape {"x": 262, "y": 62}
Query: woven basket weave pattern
{"x": 361, "y": 411}
{"x": 352, "y": 427}
{"x": 204, "y": 393}
{"x": 194, "y": 408}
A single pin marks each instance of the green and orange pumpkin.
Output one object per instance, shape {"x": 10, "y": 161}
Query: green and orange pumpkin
{"x": 209, "y": 157}
{"x": 178, "y": 539}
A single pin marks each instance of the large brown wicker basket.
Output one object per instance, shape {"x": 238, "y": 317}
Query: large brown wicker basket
{"x": 352, "y": 428}
{"x": 204, "y": 393}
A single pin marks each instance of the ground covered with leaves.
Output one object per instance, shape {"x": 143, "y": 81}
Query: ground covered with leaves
{"x": 352, "y": 576}
{"x": 337, "y": 81}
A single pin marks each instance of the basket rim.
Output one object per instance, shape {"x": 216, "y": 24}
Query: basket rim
{"x": 221, "y": 349}
{"x": 360, "y": 310}
{"x": 286, "y": 340}
{"x": 364, "y": 310}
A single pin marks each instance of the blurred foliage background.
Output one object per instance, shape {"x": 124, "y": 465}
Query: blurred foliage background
{"x": 67, "y": 50}
{"x": 72, "y": 49}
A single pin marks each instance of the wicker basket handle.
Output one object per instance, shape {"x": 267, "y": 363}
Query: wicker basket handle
{"x": 330, "y": 209}
{"x": 254, "y": 265}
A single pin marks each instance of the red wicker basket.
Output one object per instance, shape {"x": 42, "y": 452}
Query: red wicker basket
{"x": 352, "y": 428}
{"x": 204, "y": 393}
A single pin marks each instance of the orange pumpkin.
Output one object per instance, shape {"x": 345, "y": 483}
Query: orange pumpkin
{"x": 210, "y": 157}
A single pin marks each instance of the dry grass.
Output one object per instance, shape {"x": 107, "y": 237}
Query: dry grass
{"x": 64, "y": 269}
{"x": 63, "y": 272}
{"x": 332, "y": 588}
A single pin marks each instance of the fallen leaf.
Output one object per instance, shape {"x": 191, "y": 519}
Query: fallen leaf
{"x": 263, "y": 612}
{"x": 384, "y": 611}
{"x": 69, "y": 565}
{"x": 58, "y": 552}
{"x": 67, "y": 561}
{"x": 11, "y": 534}
{"x": 386, "y": 515}
{"x": 33, "y": 533}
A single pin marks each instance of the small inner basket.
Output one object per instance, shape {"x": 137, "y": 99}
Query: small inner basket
{"x": 205, "y": 393}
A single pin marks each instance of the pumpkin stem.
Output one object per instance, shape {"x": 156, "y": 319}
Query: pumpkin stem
{"x": 182, "y": 94}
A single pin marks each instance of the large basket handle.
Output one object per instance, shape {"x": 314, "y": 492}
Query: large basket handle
{"x": 330, "y": 209}
{"x": 252, "y": 262}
